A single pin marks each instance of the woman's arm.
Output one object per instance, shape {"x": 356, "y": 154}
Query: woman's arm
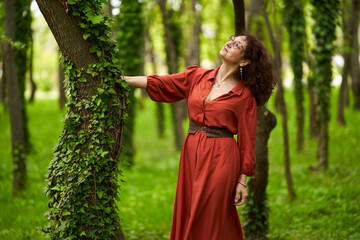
{"x": 136, "y": 82}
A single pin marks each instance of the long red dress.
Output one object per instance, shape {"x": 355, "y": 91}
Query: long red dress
{"x": 209, "y": 167}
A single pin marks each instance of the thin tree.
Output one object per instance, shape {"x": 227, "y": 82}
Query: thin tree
{"x": 354, "y": 55}
{"x": 256, "y": 212}
{"x": 62, "y": 95}
{"x": 173, "y": 34}
{"x": 275, "y": 42}
{"x": 325, "y": 15}
{"x": 23, "y": 36}
{"x": 295, "y": 24}
{"x": 130, "y": 38}
{"x": 14, "y": 101}
{"x": 82, "y": 180}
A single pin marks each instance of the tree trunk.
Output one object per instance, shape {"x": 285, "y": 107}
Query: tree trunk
{"x": 257, "y": 211}
{"x": 110, "y": 8}
{"x": 280, "y": 96}
{"x": 3, "y": 86}
{"x": 342, "y": 92}
{"x": 325, "y": 34}
{"x": 32, "y": 83}
{"x": 354, "y": 54}
{"x": 16, "y": 118}
{"x": 23, "y": 35}
{"x": 160, "y": 114}
{"x": 82, "y": 180}
{"x": 62, "y": 96}
{"x": 239, "y": 10}
{"x": 171, "y": 53}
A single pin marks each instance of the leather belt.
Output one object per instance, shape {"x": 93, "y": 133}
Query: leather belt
{"x": 214, "y": 132}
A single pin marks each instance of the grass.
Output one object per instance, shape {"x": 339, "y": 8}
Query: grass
{"x": 327, "y": 204}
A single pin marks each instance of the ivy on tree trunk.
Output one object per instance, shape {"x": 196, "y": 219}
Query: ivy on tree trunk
{"x": 82, "y": 180}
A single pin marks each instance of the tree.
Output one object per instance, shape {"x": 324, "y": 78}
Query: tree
{"x": 82, "y": 179}
{"x": 130, "y": 38}
{"x": 295, "y": 24}
{"x": 17, "y": 134}
{"x": 62, "y": 95}
{"x": 172, "y": 45}
{"x": 325, "y": 15}
{"x": 239, "y": 10}
{"x": 23, "y": 37}
{"x": 256, "y": 212}
{"x": 275, "y": 42}
{"x": 354, "y": 55}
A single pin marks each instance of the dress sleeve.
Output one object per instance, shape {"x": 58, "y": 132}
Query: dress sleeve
{"x": 246, "y": 137}
{"x": 170, "y": 88}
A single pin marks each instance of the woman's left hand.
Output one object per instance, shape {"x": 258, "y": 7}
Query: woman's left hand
{"x": 241, "y": 192}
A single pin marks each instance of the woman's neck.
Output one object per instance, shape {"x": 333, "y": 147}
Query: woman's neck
{"x": 227, "y": 73}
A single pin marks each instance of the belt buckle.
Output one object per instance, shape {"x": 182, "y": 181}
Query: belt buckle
{"x": 201, "y": 128}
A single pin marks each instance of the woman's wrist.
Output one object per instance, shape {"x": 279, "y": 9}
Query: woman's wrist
{"x": 242, "y": 180}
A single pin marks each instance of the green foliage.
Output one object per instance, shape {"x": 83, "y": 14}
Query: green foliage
{"x": 176, "y": 36}
{"x": 129, "y": 25}
{"x": 82, "y": 180}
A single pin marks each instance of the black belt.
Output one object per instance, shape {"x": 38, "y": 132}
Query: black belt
{"x": 215, "y": 132}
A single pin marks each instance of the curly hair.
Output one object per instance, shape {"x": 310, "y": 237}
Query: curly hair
{"x": 258, "y": 75}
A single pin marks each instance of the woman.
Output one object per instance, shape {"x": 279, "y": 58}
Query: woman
{"x": 213, "y": 166}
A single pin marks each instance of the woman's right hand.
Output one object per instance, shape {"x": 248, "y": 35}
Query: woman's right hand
{"x": 137, "y": 81}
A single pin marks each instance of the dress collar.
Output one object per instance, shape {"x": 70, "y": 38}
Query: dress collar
{"x": 237, "y": 89}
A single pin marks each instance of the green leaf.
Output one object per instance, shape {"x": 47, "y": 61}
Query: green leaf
{"x": 100, "y": 194}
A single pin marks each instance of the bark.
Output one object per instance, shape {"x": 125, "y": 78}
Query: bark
{"x": 62, "y": 97}
{"x": 258, "y": 211}
{"x": 239, "y": 10}
{"x": 17, "y": 131}
{"x": 281, "y": 104}
{"x": 69, "y": 37}
{"x": 176, "y": 108}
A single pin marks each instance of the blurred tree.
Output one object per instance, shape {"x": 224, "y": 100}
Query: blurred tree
{"x": 130, "y": 38}
{"x": 160, "y": 114}
{"x": 256, "y": 212}
{"x": 343, "y": 99}
{"x": 32, "y": 83}
{"x": 295, "y": 24}
{"x": 239, "y": 10}
{"x": 82, "y": 180}
{"x": 23, "y": 37}
{"x": 2, "y": 79}
{"x": 192, "y": 31}
{"x": 325, "y": 15}
{"x": 173, "y": 38}
{"x": 275, "y": 38}
{"x": 14, "y": 100}
{"x": 354, "y": 54}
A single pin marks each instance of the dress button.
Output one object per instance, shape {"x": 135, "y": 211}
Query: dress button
{"x": 202, "y": 110}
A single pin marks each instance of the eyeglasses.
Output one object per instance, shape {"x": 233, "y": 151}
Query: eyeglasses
{"x": 236, "y": 44}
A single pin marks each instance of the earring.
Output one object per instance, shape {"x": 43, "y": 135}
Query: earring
{"x": 241, "y": 72}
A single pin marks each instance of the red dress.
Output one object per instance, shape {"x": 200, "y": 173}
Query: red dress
{"x": 209, "y": 167}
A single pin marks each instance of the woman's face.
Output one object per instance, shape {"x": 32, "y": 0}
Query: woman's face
{"x": 234, "y": 49}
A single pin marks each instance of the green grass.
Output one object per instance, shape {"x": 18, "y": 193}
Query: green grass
{"x": 326, "y": 207}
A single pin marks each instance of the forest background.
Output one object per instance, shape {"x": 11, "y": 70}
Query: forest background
{"x": 314, "y": 197}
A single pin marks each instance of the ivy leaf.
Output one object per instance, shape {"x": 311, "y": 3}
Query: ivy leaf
{"x": 95, "y": 19}
{"x": 100, "y": 194}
